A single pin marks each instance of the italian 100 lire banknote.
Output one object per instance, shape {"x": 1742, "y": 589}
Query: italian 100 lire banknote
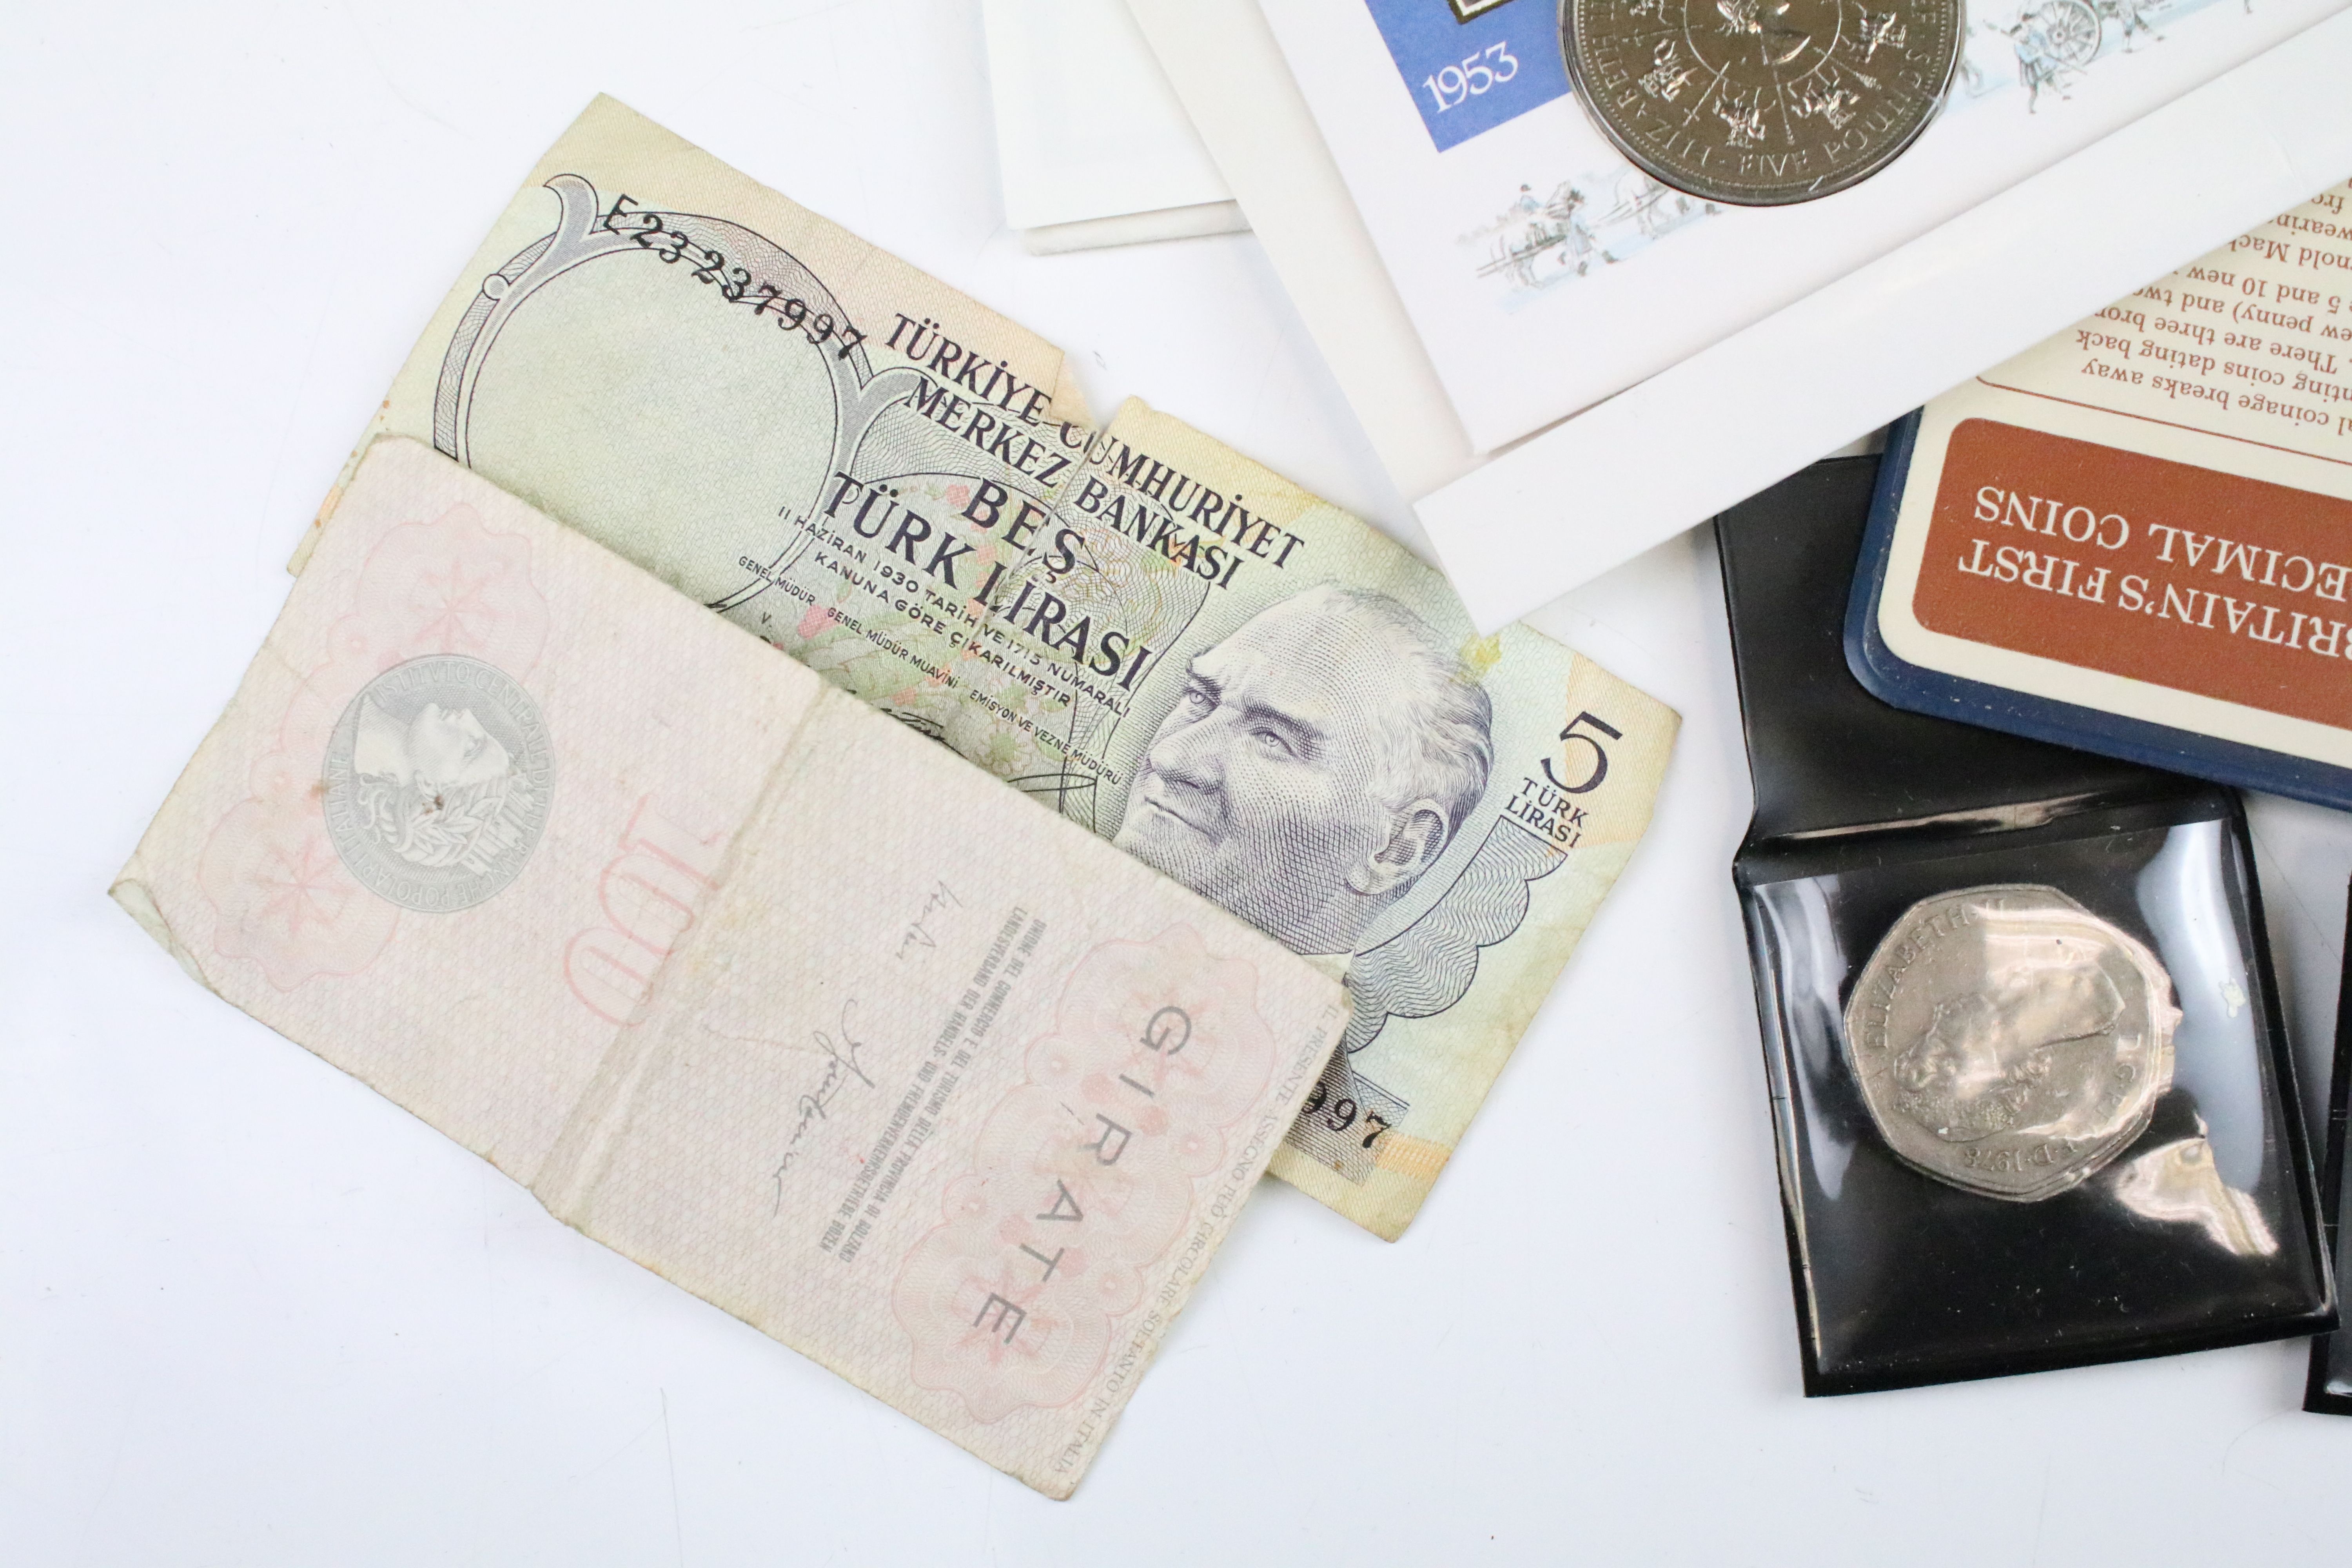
{"x": 737, "y": 977}
{"x": 1236, "y": 683}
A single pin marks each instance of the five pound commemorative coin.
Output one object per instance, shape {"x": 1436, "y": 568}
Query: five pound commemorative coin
{"x": 1761, "y": 102}
{"x": 2008, "y": 1041}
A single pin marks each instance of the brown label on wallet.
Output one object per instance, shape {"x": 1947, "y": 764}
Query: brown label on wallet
{"x": 2203, "y": 582}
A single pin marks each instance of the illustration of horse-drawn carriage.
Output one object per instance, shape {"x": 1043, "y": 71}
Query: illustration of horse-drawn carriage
{"x": 1564, "y": 234}
{"x": 2056, "y": 39}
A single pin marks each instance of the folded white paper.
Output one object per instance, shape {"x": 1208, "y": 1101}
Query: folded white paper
{"x": 1088, "y": 129}
{"x": 1135, "y": 228}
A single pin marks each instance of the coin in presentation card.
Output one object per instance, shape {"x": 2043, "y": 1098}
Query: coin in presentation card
{"x": 1761, "y": 102}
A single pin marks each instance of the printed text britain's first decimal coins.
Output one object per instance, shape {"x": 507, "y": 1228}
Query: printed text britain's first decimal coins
{"x": 2008, "y": 1041}
{"x": 1761, "y": 102}
{"x": 439, "y": 779}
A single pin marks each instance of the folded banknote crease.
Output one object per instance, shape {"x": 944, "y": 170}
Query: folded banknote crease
{"x": 1165, "y": 642}
{"x": 758, "y": 988}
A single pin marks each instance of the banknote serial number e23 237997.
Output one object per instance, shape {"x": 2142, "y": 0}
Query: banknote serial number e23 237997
{"x": 651, "y": 231}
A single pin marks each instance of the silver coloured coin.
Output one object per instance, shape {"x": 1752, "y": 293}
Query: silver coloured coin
{"x": 438, "y": 778}
{"x": 2008, "y": 1041}
{"x": 1761, "y": 102}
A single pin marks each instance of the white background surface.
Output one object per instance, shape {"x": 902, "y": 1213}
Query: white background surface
{"x": 251, "y": 1313}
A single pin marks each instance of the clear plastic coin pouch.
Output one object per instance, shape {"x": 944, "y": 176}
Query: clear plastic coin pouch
{"x": 2032, "y": 1097}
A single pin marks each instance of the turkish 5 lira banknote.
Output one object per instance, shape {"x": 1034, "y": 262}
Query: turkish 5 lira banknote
{"x": 1236, "y": 683}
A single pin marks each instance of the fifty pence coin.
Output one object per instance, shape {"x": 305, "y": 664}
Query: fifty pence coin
{"x": 2008, "y": 1041}
{"x": 438, "y": 780}
{"x": 1761, "y": 102}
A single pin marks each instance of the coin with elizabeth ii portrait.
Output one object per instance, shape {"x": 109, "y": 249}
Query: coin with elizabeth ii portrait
{"x": 2010, "y": 1042}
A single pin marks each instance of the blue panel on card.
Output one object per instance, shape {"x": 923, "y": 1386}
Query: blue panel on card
{"x": 1905, "y": 685}
{"x": 1469, "y": 76}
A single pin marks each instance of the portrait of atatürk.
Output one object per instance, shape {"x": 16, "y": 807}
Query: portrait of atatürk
{"x": 1322, "y": 757}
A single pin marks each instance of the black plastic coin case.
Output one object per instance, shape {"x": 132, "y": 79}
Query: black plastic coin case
{"x": 2329, "y": 1389}
{"x": 2205, "y": 1231}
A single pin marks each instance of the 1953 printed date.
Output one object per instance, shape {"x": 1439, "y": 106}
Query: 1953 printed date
{"x": 652, "y": 231}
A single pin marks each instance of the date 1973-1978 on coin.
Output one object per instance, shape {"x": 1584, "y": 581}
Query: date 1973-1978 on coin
{"x": 1761, "y": 102}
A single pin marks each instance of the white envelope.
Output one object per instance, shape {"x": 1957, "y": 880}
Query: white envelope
{"x": 1517, "y": 528}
